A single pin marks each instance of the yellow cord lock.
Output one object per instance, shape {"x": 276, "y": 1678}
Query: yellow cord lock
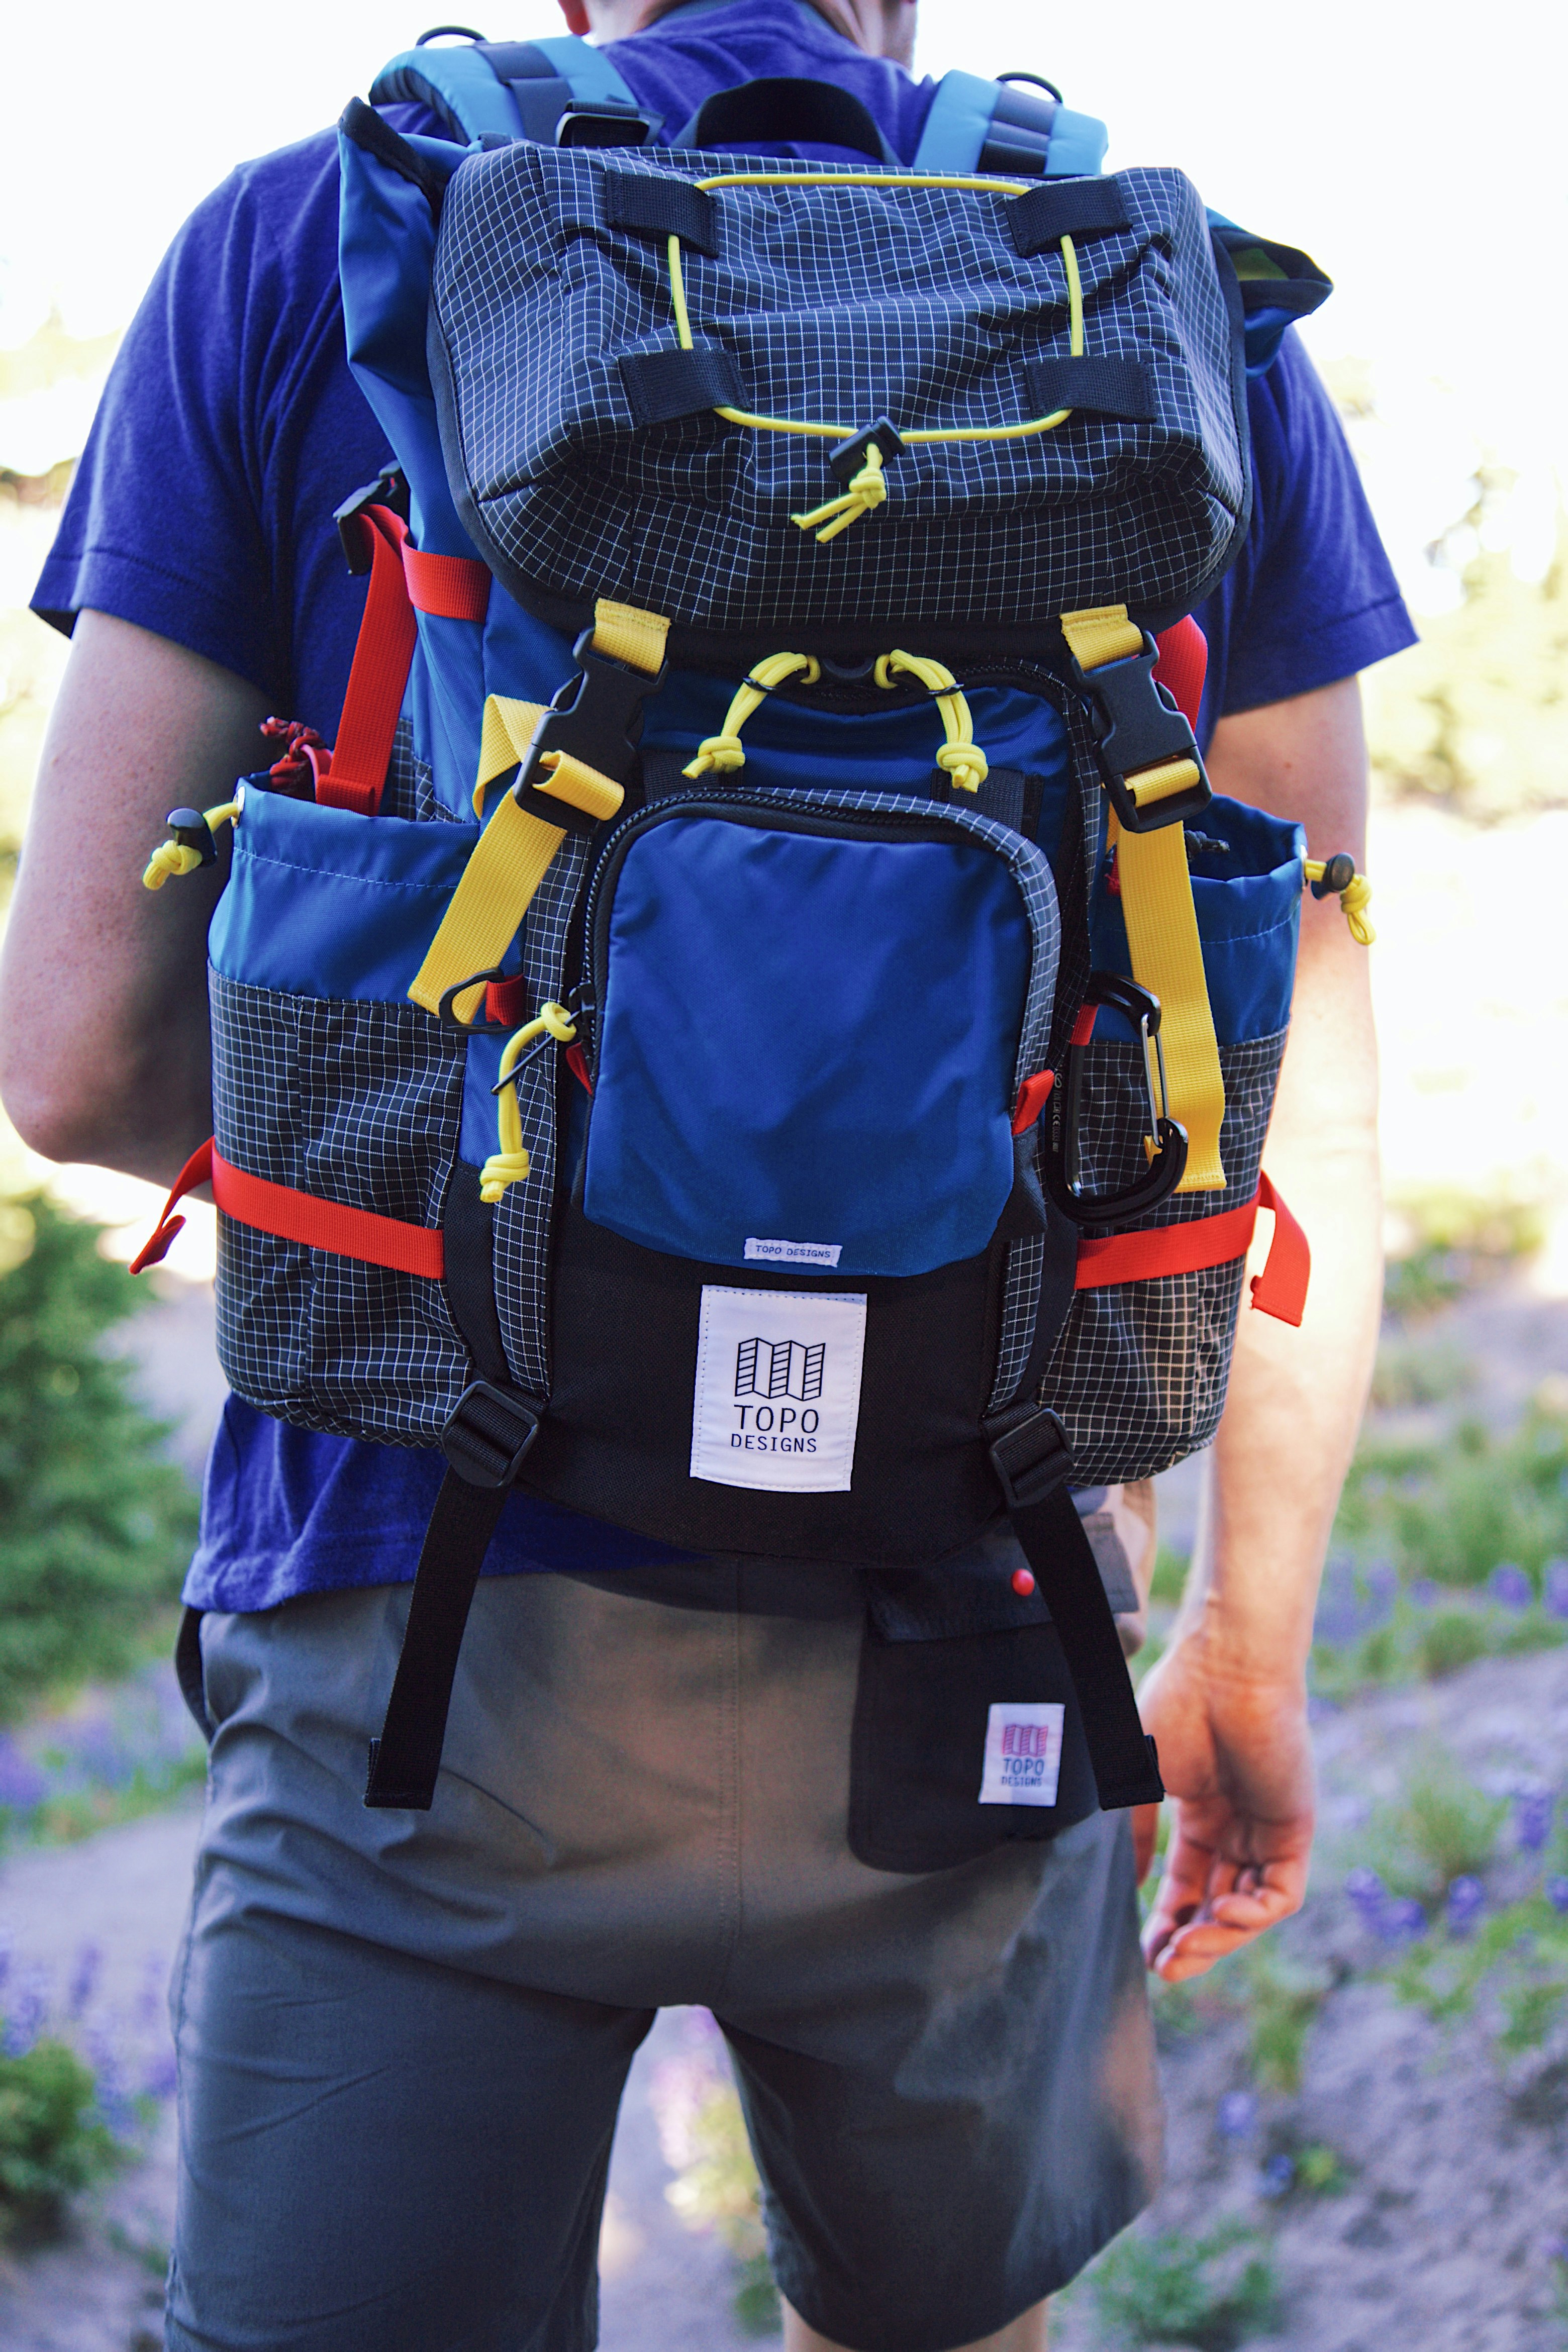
{"x": 191, "y": 842}
{"x": 1337, "y": 875}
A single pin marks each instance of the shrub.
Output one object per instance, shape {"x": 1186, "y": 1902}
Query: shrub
{"x": 95, "y": 1526}
{"x": 1451, "y": 1639}
{"x": 1443, "y": 1828}
{"x": 52, "y": 2142}
{"x": 1283, "y": 2002}
{"x": 1452, "y": 1512}
{"x": 1172, "y": 2289}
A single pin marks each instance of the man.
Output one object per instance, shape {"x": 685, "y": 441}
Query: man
{"x": 402, "y": 2038}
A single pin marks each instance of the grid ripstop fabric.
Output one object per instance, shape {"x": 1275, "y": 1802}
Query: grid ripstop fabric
{"x": 1139, "y": 1373}
{"x": 835, "y": 305}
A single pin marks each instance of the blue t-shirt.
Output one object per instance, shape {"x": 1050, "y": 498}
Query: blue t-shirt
{"x": 202, "y": 510}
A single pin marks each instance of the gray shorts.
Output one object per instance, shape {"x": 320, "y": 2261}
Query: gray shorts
{"x": 402, "y": 2038}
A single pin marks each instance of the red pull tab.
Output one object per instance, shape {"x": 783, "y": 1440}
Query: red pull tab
{"x": 507, "y": 1000}
{"x": 1182, "y": 665}
{"x": 1033, "y": 1096}
{"x": 1280, "y": 1289}
{"x": 577, "y": 1063}
{"x": 197, "y": 1170}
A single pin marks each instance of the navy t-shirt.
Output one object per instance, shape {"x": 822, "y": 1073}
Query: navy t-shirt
{"x": 202, "y": 510}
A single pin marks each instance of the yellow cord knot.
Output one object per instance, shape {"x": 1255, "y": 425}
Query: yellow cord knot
{"x": 725, "y": 751}
{"x": 1354, "y": 897}
{"x": 169, "y": 858}
{"x": 177, "y": 857}
{"x": 869, "y": 490}
{"x": 509, "y": 1165}
{"x": 966, "y": 763}
{"x": 960, "y": 756}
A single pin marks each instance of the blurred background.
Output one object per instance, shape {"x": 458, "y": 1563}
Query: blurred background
{"x": 1349, "y": 2107}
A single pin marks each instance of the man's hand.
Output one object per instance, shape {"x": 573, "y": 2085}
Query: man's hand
{"x": 1236, "y": 1757}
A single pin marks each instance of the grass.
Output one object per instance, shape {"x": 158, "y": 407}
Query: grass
{"x": 1211, "y": 2292}
{"x": 1441, "y": 1828}
{"x": 1451, "y": 1512}
{"x": 1283, "y": 1999}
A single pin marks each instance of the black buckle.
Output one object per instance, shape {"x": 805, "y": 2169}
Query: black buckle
{"x": 488, "y": 1435}
{"x": 1059, "y": 1164}
{"x": 390, "y": 488}
{"x": 446, "y": 1012}
{"x": 607, "y": 122}
{"x": 597, "y": 718}
{"x": 1137, "y": 725}
{"x": 1032, "y": 1458}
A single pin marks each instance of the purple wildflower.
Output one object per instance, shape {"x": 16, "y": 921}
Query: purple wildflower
{"x": 1509, "y": 1584}
{"x": 1402, "y": 1922}
{"x": 1554, "y": 1587}
{"x": 158, "y": 2082}
{"x": 1533, "y": 1811}
{"x": 1277, "y": 2176}
{"x": 1369, "y": 1898}
{"x": 84, "y": 1982}
{"x": 1237, "y": 2115}
{"x": 1467, "y": 1901}
{"x": 26, "y": 2021}
{"x": 1423, "y": 1593}
{"x": 22, "y": 1785}
{"x": 1557, "y": 1893}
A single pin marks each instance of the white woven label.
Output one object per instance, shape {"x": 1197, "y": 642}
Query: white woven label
{"x": 778, "y": 1388}
{"x": 793, "y": 1253}
{"x": 1022, "y": 1753}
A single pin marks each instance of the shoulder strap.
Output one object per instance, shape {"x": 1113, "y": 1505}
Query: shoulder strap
{"x": 987, "y": 126}
{"x": 504, "y": 90}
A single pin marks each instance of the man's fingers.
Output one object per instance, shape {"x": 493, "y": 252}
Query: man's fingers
{"x": 1145, "y": 1831}
{"x": 1184, "y": 1938}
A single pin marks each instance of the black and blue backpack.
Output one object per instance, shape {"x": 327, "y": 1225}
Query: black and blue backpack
{"x": 758, "y": 1030}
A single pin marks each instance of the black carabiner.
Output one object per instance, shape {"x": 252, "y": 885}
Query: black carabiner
{"x": 1059, "y": 1167}
{"x": 449, "y": 1018}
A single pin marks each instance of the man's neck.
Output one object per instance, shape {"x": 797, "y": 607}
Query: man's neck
{"x": 883, "y": 28}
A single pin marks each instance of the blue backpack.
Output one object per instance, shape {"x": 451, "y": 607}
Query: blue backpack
{"x": 758, "y": 1030}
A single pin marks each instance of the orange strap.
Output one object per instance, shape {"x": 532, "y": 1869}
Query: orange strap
{"x": 297, "y": 1217}
{"x": 1280, "y": 1290}
{"x": 452, "y": 587}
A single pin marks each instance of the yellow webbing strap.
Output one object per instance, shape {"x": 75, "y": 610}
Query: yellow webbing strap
{"x": 513, "y": 854}
{"x": 1161, "y": 925}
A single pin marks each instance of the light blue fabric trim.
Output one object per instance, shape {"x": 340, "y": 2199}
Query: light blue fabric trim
{"x": 958, "y": 125}
{"x": 482, "y": 104}
{"x": 321, "y": 902}
{"x": 1078, "y": 146}
{"x": 591, "y": 76}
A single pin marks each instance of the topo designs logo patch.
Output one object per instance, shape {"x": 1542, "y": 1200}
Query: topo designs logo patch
{"x": 1022, "y": 1753}
{"x": 778, "y": 1389}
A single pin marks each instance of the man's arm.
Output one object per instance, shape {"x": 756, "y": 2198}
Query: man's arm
{"x": 104, "y": 1052}
{"x": 1227, "y": 1702}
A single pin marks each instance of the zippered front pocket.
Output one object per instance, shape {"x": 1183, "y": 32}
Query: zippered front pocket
{"x": 811, "y": 1014}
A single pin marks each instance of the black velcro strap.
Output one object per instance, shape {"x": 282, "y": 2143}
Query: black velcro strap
{"x": 1059, "y": 208}
{"x": 1126, "y": 1769}
{"x": 366, "y": 127}
{"x": 658, "y": 204}
{"x": 406, "y": 1758}
{"x": 516, "y": 61}
{"x": 665, "y": 384}
{"x": 1110, "y": 387}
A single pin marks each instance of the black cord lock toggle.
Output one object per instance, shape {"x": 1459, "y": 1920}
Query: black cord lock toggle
{"x": 189, "y": 829}
{"x": 846, "y": 459}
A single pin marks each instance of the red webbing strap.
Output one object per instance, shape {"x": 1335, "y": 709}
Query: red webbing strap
{"x": 1280, "y": 1290}
{"x": 452, "y": 587}
{"x": 298, "y": 1217}
{"x": 353, "y": 773}
{"x": 197, "y": 1170}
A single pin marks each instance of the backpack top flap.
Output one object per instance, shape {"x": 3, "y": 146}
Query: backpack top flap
{"x": 615, "y": 427}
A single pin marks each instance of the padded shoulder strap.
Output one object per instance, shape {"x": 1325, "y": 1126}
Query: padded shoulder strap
{"x": 503, "y": 90}
{"x": 987, "y": 126}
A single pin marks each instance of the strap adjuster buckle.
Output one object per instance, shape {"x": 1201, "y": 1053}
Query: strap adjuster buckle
{"x": 1137, "y": 725}
{"x": 390, "y": 488}
{"x": 596, "y": 716}
{"x": 488, "y": 1435}
{"x": 1032, "y": 1458}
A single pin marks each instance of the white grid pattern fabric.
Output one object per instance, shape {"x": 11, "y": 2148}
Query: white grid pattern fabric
{"x": 359, "y": 1103}
{"x": 835, "y": 305}
{"x": 1139, "y": 1373}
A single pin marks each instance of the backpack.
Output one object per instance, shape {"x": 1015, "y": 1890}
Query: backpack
{"x": 758, "y": 1030}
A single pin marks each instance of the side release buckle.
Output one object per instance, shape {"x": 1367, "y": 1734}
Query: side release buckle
{"x": 1137, "y": 725}
{"x": 488, "y": 1435}
{"x": 1032, "y": 1458}
{"x": 390, "y": 488}
{"x": 596, "y": 716}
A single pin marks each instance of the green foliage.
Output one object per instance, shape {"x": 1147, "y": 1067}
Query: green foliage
{"x": 1282, "y": 1999}
{"x": 1411, "y": 1372}
{"x": 1171, "y": 2289}
{"x": 1441, "y": 1828}
{"x": 95, "y": 1526}
{"x": 1451, "y": 1512}
{"x": 1451, "y": 1639}
{"x": 1520, "y": 1954}
{"x": 1170, "y": 1576}
{"x": 1321, "y": 2171}
{"x": 51, "y": 2143}
{"x": 717, "y": 2189}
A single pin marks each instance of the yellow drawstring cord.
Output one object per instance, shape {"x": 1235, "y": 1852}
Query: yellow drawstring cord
{"x": 178, "y": 857}
{"x": 724, "y": 750}
{"x": 1355, "y": 898}
{"x": 510, "y": 1164}
{"x": 868, "y": 489}
{"x": 961, "y": 755}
